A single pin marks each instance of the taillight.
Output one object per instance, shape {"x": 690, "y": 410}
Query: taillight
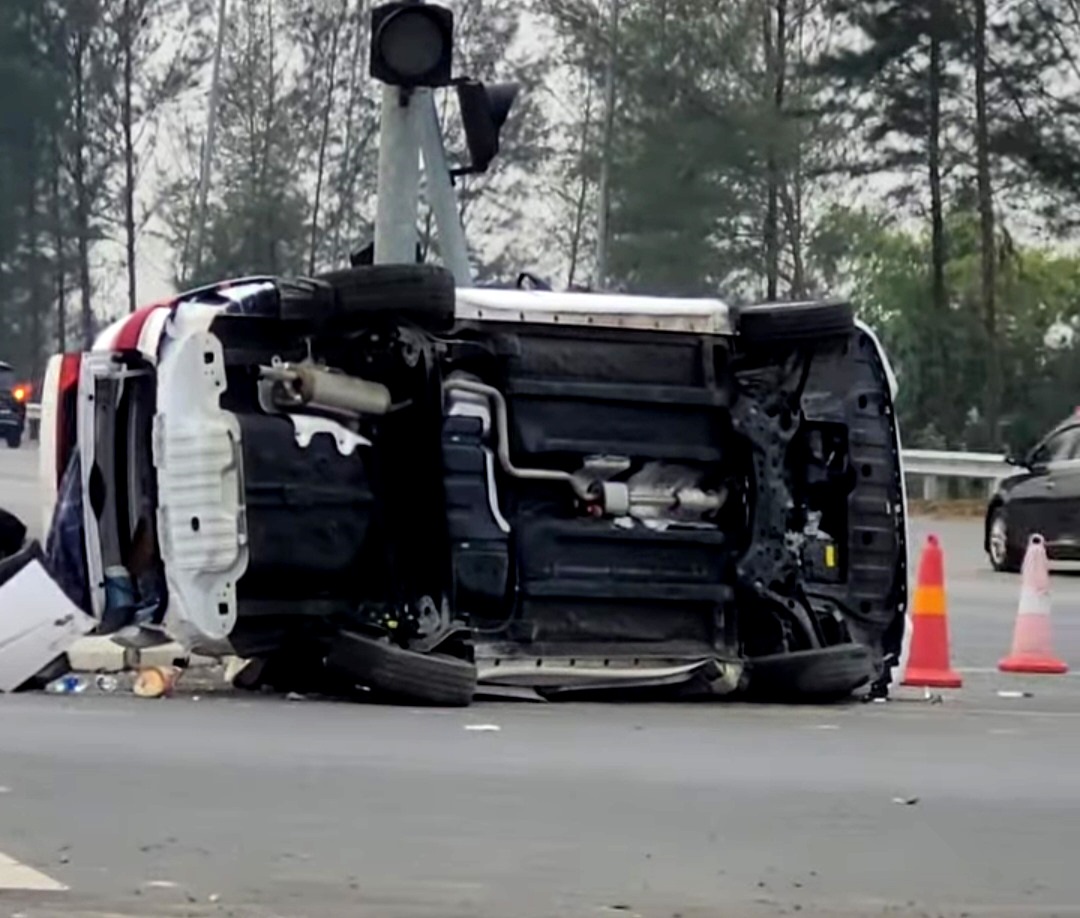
{"x": 21, "y": 393}
{"x": 66, "y": 411}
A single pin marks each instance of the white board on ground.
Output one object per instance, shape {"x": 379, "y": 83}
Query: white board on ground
{"x": 37, "y": 624}
{"x": 14, "y": 875}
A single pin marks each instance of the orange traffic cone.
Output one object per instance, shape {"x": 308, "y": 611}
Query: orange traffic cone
{"x": 1032, "y": 643}
{"x": 928, "y": 660}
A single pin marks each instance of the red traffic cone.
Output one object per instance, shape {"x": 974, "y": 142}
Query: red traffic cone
{"x": 1032, "y": 647}
{"x": 928, "y": 659}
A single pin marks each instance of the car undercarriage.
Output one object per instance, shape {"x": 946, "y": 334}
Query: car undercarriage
{"x": 373, "y": 479}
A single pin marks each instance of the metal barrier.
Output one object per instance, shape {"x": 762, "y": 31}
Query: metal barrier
{"x": 931, "y": 466}
{"x": 33, "y": 420}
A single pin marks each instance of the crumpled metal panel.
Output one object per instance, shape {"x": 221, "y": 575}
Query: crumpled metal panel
{"x": 201, "y": 516}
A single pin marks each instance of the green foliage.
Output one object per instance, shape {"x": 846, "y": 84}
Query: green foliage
{"x": 1039, "y": 296}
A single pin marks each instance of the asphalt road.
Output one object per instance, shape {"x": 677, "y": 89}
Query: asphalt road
{"x": 257, "y": 807}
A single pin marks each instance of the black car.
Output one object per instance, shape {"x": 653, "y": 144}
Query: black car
{"x": 13, "y": 397}
{"x": 1044, "y": 498}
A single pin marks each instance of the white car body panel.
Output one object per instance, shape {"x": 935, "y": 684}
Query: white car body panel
{"x": 48, "y": 474}
{"x": 597, "y": 310}
{"x": 201, "y": 515}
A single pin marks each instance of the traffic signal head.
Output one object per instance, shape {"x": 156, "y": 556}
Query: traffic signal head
{"x": 412, "y": 44}
{"x": 484, "y": 110}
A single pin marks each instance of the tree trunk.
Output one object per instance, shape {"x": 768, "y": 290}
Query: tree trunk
{"x": 36, "y": 292}
{"x": 347, "y": 172}
{"x": 127, "y": 40}
{"x": 986, "y": 226}
{"x": 775, "y": 54}
{"x": 207, "y": 159}
{"x": 59, "y": 253}
{"x": 82, "y": 193}
{"x": 937, "y": 379}
{"x": 937, "y": 207}
{"x": 603, "y": 231}
{"x": 583, "y": 185}
{"x": 324, "y": 136}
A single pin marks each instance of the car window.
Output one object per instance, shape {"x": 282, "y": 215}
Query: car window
{"x": 7, "y": 378}
{"x": 1061, "y": 447}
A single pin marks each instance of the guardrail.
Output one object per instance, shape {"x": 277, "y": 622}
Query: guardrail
{"x": 33, "y": 420}
{"x": 931, "y": 466}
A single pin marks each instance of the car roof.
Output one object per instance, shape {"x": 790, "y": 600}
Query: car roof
{"x": 610, "y": 310}
{"x": 5, "y": 366}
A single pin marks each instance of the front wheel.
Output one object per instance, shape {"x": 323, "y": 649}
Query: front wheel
{"x": 1000, "y": 546}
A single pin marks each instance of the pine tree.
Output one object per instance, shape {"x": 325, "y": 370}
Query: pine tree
{"x": 257, "y": 212}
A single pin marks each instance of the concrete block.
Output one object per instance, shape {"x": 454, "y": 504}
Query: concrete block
{"x": 165, "y": 655}
{"x": 96, "y": 654}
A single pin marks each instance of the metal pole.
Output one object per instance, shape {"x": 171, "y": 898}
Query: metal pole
{"x": 208, "y": 143}
{"x": 398, "y": 201}
{"x": 440, "y": 192}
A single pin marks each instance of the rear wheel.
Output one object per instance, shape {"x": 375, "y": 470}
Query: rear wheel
{"x": 794, "y": 321}
{"x": 406, "y": 675}
{"x": 14, "y": 439}
{"x": 825, "y": 673}
{"x": 1000, "y": 547}
{"x": 420, "y": 294}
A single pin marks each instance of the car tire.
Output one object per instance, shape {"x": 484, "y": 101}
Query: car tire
{"x": 1004, "y": 556}
{"x": 419, "y": 294}
{"x": 434, "y": 679}
{"x": 14, "y": 440}
{"x": 824, "y": 673}
{"x": 793, "y": 321}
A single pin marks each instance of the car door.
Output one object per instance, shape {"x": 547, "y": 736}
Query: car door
{"x": 1064, "y": 485}
{"x": 1054, "y": 470}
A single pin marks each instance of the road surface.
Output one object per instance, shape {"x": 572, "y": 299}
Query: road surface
{"x": 256, "y": 807}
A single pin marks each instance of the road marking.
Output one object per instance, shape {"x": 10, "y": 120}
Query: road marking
{"x": 994, "y": 671}
{"x": 14, "y": 875}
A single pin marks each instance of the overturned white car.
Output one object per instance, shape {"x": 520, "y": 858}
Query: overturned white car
{"x": 373, "y": 478}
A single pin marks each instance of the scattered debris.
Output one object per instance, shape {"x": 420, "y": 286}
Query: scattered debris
{"x": 155, "y": 681}
{"x": 213, "y": 897}
{"x": 1009, "y": 693}
{"x": 67, "y": 685}
{"x": 39, "y": 623}
{"x": 905, "y": 801}
{"x": 295, "y": 696}
{"x": 107, "y": 683}
{"x": 483, "y": 728}
{"x": 5, "y": 790}
{"x": 827, "y": 727}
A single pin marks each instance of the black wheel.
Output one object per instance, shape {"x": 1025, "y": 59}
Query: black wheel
{"x": 826, "y": 673}
{"x": 794, "y": 321}
{"x": 420, "y": 294}
{"x": 14, "y": 439}
{"x": 433, "y": 679}
{"x": 1001, "y": 548}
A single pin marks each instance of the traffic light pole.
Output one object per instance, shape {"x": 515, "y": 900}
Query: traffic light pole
{"x": 440, "y": 192}
{"x": 397, "y": 206}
